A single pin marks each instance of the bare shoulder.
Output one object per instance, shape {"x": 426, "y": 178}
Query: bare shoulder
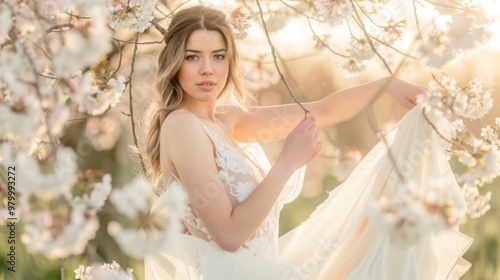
{"x": 182, "y": 130}
{"x": 180, "y": 117}
{"x": 181, "y": 122}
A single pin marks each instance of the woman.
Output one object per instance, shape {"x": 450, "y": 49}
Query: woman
{"x": 234, "y": 198}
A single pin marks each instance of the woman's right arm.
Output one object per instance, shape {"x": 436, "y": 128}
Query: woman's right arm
{"x": 191, "y": 151}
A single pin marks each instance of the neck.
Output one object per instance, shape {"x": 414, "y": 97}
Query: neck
{"x": 203, "y": 111}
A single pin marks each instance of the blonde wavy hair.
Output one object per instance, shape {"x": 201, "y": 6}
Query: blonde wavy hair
{"x": 171, "y": 94}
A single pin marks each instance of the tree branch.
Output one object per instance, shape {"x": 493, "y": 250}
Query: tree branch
{"x": 131, "y": 105}
{"x": 273, "y": 53}
{"x": 359, "y": 21}
{"x": 323, "y": 42}
{"x": 63, "y": 264}
{"x": 59, "y": 27}
{"x": 162, "y": 30}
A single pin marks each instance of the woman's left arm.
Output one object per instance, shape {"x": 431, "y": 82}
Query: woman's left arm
{"x": 268, "y": 123}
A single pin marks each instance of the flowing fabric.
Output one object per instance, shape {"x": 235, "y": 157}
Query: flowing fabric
{"x": 338, "y": 241}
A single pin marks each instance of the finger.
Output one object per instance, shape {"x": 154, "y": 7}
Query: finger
{"x": 308, "y": 122}
{"x": 408, "y": 104}
{"x": 319, "y": 144}
{"x": 316, "y": 137}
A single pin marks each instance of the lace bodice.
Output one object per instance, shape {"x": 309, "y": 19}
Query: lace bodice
{"x": 240, "y": 175}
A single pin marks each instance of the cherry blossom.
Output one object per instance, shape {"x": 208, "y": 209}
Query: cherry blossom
{"x": 477, "y": 204}
{"x": 149, "y": 240}
{"x": 132, "y": 198}
{"x": 79, "y": 48}
{"x": 131, "y": 14}
{"x": 404, "y": 216}
{"x": 83, "y": 273}
{"x": 333, "y": 11}
{"x": 94, "y": 98}
{"x": 103, "y": 133}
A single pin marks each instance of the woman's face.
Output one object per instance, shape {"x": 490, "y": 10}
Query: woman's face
{"x": 204, "y": 71}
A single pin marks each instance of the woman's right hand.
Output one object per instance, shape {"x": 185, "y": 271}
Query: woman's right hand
{"x": 302, "y": 143}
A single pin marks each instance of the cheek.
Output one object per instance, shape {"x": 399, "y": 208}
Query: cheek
{"x": 184, "y": 75}
{"x": 224, "y": 70}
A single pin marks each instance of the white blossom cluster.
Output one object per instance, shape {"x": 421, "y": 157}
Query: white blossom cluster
{"x": 481, "y": 156}
{"x": 477, "y": 204}
{"x": 132, "y": 201}
{"x": 333, "y": 12}
{"x": 133, "y": 198}
{"x": 43, "y": 181}
{"x": 103, "y": 133}
{"x": 240, "y": 26}
{"x": 416, "y": 210}
{"x": 483, "y": 165}
{"x": 52, "y": 68}
{"x": 94, "y": 98}
{"x": 404, "y": 216}
{"x": 42, "y": 49}
{"x": 464, "y": 30}
{"x": 447, "y": 98}
{"x": 111, "y": 271}
{"x": 60, "y": 234}
{"x": 131, "y": 14}
{"x": 482, "y": 160}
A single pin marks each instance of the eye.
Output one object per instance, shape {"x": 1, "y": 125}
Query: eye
{"x": 191, "y": 57}
{"x": 219, "y": 57}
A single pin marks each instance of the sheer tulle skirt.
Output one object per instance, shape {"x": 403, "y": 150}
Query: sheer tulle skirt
{"x": 339, "y": 241}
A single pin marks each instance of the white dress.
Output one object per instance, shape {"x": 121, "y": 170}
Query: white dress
{"x": 338, "y": 241}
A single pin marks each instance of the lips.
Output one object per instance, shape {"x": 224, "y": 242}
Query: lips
{"x": 206, "y": 85}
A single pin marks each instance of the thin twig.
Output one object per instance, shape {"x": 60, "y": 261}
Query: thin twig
{"x": 359, "y": 21}
{"x": 300, "y": 12}
{"x": 171, "y": 11}
{"x": 76, "y": 16}
{"x": 275, "y": 58}
{"x": 162, "y": 30}
{"x": 368, "y": 16}
{"x": 281, "y": 58}
{"x": 59, "y": 27}
{"x": 392, "y": 158}
{"x": 139, "y": 43}
{"x": 415, "y": 15}
{"x": 39, "y": 48}
{"x": 435, "y": 128}
{"x": 393, "y": 48}
{"x": 302, "y": 93}
{"x": 131, "y": 105}
{"x": 63, "y": 264}
{"x": 119, "y": 65}
{"x": 323, "y": 42}
{"x": 87, "y": 116}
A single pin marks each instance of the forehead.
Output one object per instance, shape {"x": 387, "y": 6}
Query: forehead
{"x": 208, "y": 40}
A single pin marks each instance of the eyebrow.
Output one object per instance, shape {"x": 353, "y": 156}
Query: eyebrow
{"x": 197, "y": 51}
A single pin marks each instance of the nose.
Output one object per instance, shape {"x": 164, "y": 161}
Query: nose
{"x": 207, "y": 68}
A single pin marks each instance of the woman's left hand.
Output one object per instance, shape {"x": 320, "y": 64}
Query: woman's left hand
{"x": 405, "y": 93}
